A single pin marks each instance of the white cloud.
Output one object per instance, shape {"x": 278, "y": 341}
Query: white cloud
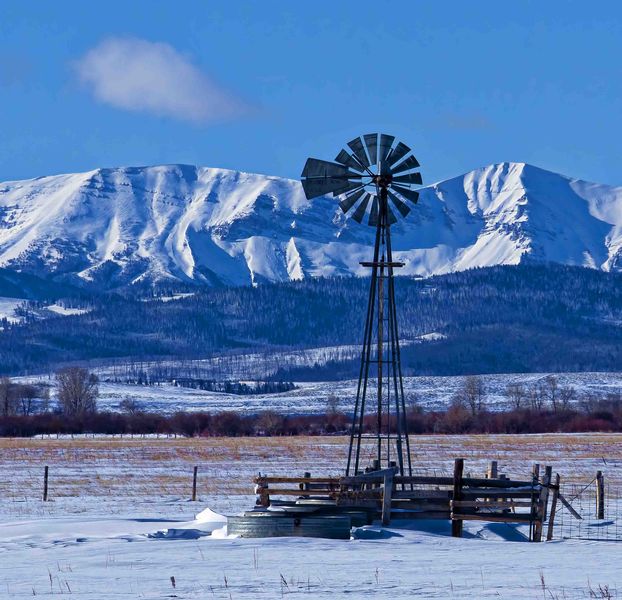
{"x": 138, "y": 75}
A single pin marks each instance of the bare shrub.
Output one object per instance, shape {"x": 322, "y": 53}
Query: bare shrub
{"x": 77, "y": 391}
{"x": 516, "y": 394}
{"x": 471, "y": 394}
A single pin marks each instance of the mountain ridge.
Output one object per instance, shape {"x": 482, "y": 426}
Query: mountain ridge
{"x": 118, "y": 227}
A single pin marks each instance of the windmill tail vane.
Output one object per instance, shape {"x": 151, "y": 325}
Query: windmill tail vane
{"x": 375, "y": 177}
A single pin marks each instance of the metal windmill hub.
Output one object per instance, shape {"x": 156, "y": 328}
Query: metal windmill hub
{"x": 383, "y": 181}
{"x": 389, "y": 170}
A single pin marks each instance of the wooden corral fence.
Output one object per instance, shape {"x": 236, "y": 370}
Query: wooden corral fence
{"x": 385, "y": 495}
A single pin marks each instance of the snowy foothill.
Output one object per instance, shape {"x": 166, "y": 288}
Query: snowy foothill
{"x": 7, "y": 309}
{"x": 431, "y": 393}
{"x": 9, "y": 306}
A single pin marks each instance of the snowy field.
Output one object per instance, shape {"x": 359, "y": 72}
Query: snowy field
{"x": 119, "y": 524}
{"x": 313, "y": 397}
{"x": 7, "y": 309}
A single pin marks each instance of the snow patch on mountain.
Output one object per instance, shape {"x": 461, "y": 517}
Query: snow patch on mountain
{"x": 150, "y": 225}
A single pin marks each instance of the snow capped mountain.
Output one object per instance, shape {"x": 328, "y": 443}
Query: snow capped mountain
{"x": 150, "y": 225}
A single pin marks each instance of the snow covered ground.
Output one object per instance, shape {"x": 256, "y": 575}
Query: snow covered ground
{"x": 125, "y": 558}
{"x": 9, "y": 305}
{"x": 114, "y": 530}
{"x": 7, "y": 309}
{"x": 312, "y": 397}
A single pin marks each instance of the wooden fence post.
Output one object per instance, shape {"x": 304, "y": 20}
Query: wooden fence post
{"x": 194, "y": 483}
{"x": 600, "y": 495}
{"x": 492, "y": 471}
{"x": 540, "y": 509}
{"x": 548, "y": 475}
{"x": 535, "y": 476}
{"x": 456, "y": 524}
{"x": 549, "y": 531}
{"x": 46, "y": 470}
{"x": 386, "y": 498}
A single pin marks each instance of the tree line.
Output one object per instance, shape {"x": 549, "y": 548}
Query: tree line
{"x": 602, "y": 416}
{"x": 500, "y": 319}
{"x": 543, "y": 407}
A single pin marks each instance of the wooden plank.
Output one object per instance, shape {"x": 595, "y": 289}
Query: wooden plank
{"x": 421, "y": 504}
{"x": 494, "y": 493}
{"x": 421, "y": 494}
{"x": 365, "y": 478}
{"x": 373, "y": 493}
{"x": 296, "y": 480}
{"x": 456, "y": 524}
{"x": 381, "y": 472}
{"x": 358, "y": 503}
{"x": 387, "y": 488}
{"x": 490, "y": 504}
{"x": 423, "y": 480}
{"x": 567, "y": 504}
{"x": 312, "y": 493}
{"x": 494, "y": 483}
{"x": 549, "y": 532}
{"x": 492, "y": 517}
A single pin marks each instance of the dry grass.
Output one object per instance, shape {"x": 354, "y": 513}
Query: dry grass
{"x": 147, "y": 472}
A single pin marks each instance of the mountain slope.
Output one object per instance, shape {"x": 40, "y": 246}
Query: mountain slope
{"x": 501, "y": 319}
{"x": 153, "y": 225}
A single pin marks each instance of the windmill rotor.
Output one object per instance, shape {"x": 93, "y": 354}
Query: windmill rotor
{"x": 374, "y": 173}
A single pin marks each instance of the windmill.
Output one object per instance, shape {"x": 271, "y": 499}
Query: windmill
{"x": 374, "y": 180}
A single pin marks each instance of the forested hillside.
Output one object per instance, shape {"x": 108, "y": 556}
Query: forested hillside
{"x": 499, "y": 319}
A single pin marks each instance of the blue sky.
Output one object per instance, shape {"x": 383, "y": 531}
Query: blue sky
{"x": 259, "y": 86}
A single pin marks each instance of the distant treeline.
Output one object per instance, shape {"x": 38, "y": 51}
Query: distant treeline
{"x": 237, "y": 387}
{"x": 604, "y": 416}
{"x": 500, "y": 319}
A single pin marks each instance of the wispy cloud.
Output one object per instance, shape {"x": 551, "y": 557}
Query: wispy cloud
{"x": 139, "y": 75}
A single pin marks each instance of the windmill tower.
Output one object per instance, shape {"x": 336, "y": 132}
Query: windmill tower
{"x": 374, "y": 180}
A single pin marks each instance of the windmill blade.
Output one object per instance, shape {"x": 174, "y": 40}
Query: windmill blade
{"x": 373, "y": 215}
{"x": 399, "y": 152}
{"x": 410, "y": 178}
{"x": 385, "y": 145}
{"x": 349, "y": 201}
{"x": 348, "y": 186}
{"x": 409, "y": 194}
{"x": 401, "y": 206}
{"x": 321, "y": 186}
{"x": 315, "y": 167}
{"x": 391, "y": 216}
{"x": 410, "y": 163}
{"x": 371, "y": 141}
{"x": 359, "y": 213}
{"x": 359, "y": 151}
{"x": 349, "y": 161}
